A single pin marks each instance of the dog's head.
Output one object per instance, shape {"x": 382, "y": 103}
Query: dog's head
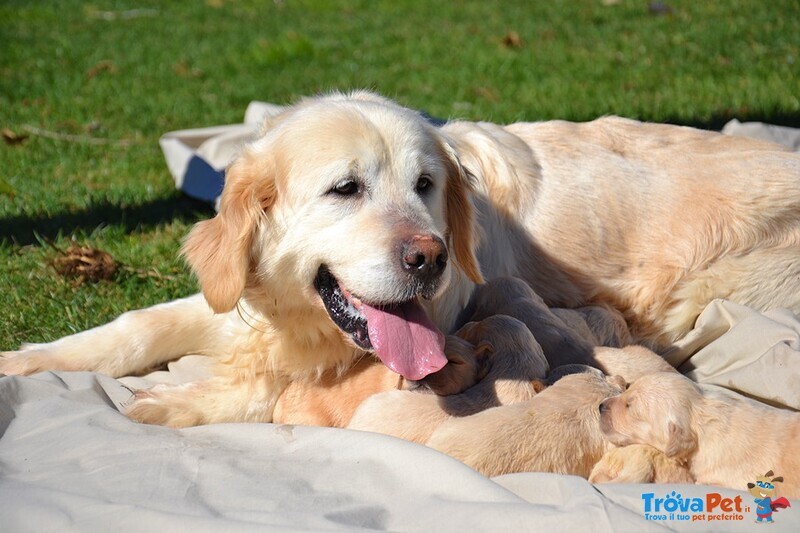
{"x": 764, "y": 487}
{"x": 655, "y": 410}
{"x": 350, "y": 208}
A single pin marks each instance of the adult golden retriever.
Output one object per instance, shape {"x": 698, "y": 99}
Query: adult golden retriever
{"x": 353, "y": 226}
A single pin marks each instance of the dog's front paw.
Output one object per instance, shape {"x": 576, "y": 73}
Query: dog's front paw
{"x": 25, "y": 361}
{"x": 164, "y": 405}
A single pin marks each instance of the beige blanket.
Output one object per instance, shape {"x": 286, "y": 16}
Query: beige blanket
{"x": 69, "y": 461}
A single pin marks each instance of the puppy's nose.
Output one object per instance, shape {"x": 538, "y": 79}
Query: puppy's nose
{"x": 424, "y": 256}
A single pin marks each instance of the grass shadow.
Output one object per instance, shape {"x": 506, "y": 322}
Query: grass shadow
{"x": 21, "y": 230}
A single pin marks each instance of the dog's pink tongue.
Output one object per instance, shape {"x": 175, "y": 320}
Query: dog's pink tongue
{"x": 405, "y": 339}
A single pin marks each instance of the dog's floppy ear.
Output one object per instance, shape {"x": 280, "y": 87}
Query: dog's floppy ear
{"x": 681, "y": 441}
{"x": 218, "y": 249}
{"x": 459, "y": 214}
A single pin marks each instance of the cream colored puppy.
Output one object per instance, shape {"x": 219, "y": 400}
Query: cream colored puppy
{"x": 352, "y": 228}
{"x": 556, "y": 430}
{"x": 723, "y": 438}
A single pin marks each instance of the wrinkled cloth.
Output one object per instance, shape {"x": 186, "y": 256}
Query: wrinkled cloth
{"x": 70, "y": 461}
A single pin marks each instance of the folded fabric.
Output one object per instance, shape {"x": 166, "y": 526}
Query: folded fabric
{"x": 69, "y": 460}
{"x": 197, "y": 157}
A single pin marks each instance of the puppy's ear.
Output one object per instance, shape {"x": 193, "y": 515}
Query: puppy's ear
{"x": 617, "y": 382}
{"x": 779, "y": 478}
{"x": 483, "y": 350}
{"x": 460, "y": 215}
{"x": 218, "y": 250}
{"x": 681, "y": 441}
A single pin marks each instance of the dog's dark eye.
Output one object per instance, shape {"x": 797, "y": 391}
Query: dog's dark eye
{"x": 424, "y": 184}
{"x": 348, "y": 187}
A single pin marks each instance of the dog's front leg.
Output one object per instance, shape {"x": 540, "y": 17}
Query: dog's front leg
{"x": 134, "y": 342}
{"x": 225, "y": 398}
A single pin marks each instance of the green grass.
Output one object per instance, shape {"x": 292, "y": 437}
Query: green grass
{"x": 98, "y": 69}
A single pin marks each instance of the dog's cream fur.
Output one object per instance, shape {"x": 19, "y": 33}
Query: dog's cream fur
{"x": 653, "y": 220}
{"x": 723, "y": 438}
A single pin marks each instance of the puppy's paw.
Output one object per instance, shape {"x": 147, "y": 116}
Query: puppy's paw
{"x": 605, "y": 473}
{"x": 164, "y": 405}
{"x": 466, "y": 366}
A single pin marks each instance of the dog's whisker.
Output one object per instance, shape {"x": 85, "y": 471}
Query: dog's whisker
{"x": 242, "y": 312}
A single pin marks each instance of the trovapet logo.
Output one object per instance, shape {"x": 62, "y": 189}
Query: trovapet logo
{"x": 712, "y": 508}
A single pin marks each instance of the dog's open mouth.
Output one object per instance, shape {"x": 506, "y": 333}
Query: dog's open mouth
{"x": 401, "y": 334}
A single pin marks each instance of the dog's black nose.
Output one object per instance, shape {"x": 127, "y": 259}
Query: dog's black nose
{"x": 424, "y": 256}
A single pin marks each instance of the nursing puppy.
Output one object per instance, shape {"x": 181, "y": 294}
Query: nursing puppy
{"x": 352, "y": 227}
{"x": 555, "y": 431}
{"x": 724, "y": 439}
{"x": 566, "y": 336}
{"x": 558, "y": 429}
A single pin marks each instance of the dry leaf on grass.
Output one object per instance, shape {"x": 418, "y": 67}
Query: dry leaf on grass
{"x": 12, "y": 138}
{"x": 84, "y": 263}
{"x": 512, "y": 40}
{"x": 105, "y": 65}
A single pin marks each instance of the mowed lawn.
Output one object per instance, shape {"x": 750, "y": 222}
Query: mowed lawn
{"x": 86, "y": 89}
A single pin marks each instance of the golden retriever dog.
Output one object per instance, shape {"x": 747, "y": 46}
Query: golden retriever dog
{"x": 723, "y": 438}
{"x": 353, "y": 227}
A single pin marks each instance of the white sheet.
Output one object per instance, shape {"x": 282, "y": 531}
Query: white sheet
{"x": 69, "y": 461}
